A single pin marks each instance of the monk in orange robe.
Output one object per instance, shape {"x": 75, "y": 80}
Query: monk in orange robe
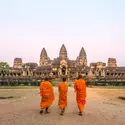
{"x": 80, "y": 89}
{"x": 47, "y": 94}
{"x": 63, "y": 88}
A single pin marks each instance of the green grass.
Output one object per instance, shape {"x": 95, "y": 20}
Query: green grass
{"x": 53, "y": 83}
{"x": 19, "y": 87}
{"x": 110, "y": 87}
{"x": 69, "y": 84}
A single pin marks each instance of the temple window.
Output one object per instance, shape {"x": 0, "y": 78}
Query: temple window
{"x": 19, "y": 74}
{"x": 27, "y": 73}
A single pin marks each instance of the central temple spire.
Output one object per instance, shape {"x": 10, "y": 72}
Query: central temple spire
{"x": 43, "y": 53}
{"x": 82, "y": 54}
{"x": 63, "y": 52}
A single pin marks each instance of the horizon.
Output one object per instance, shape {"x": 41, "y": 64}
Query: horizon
{"x": 88, "y": 63}
{"x": 28, "y": 26}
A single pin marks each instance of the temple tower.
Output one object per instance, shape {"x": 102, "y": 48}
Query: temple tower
{"x": 82, "y": 57}
{"x": 112, "y": 62}
{"x": 63, "y": 52}
{"x": 17, "y": 63}
{"x": 43, "y": 58}
{"x": 63, "y": 61}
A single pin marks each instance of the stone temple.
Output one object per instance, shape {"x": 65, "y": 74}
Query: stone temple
{"x": 63, "y": 66}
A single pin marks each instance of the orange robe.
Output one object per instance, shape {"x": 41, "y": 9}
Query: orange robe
{"x": 80, "y": 89}
{"x": 47, "y": 94}
{"x": 63, "y": 88}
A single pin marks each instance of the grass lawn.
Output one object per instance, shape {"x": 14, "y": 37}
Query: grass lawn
{"x": 19, "y": 87}
{"x": 110, "y": 87}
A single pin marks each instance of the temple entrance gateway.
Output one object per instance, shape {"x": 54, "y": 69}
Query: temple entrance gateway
{"x": 63, "y": 67}
{"x": 63, "y": 70}
{"x": 55, "y": 72}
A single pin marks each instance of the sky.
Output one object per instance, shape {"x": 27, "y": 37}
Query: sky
{"x": 26, "y": 26}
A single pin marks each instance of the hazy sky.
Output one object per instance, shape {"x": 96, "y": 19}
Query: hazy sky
{"x": 26, "y": 26}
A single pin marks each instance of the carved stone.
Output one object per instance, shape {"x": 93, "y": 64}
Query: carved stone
{"x": 17, "y": 63}
{"x": 112, "y": 62}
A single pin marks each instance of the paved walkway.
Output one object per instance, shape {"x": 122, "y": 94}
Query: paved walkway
{"x": 25, "y": 111}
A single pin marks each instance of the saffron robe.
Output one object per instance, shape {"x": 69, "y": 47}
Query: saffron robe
{"x": 80, "y": 89}
{"x": 47, "y": 94}
{"x": 63, "y": 89}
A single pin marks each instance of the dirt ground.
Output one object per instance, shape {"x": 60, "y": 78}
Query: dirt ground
{"x": 103, "y": 108}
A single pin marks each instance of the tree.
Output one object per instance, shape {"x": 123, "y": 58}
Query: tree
{"x": 4, "y": 68}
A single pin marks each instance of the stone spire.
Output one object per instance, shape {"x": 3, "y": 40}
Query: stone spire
{"x": 17, "y": 63}
{"x": 82, "y": 57}
{"x": 112, "y": 62}
{"x": 43, "y": 57}
{"x": 43, "y": 54}
{"x": 82, "y": 54}
{"x": 63, "y": 52}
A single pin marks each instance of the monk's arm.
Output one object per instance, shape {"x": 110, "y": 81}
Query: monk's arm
{"x": 41, "y": 89}
{"x": 67, "y": 88}
{"x": 59, "y": 88}
{"x": 75, "y": 87}
{"x": 85, "y": 89}
{"x": 52, "y": 89}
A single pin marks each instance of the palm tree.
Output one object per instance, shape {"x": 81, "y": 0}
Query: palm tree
{"x": 4, "y": 68}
